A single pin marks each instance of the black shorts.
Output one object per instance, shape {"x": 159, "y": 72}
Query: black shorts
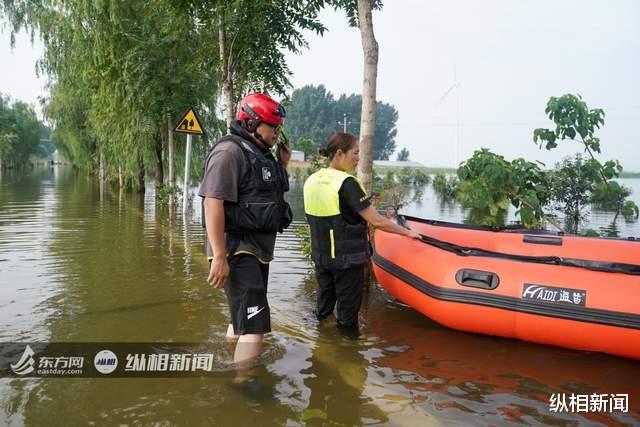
{"x": 246, "y": 293}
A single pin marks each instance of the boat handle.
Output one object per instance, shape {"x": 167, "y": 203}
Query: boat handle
{"x": 542, "y": 240}
{"x": 477, "y": 279}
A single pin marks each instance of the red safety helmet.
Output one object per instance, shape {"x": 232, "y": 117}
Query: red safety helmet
{"x": 259, "y": 107}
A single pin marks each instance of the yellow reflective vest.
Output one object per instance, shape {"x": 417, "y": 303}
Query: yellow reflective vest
{"x": 335, "y": 244}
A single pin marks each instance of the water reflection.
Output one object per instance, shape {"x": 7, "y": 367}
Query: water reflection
{"x": 27, "y": 209}
{"x": 336, "y": 378}
{"x": 454, "y": 375}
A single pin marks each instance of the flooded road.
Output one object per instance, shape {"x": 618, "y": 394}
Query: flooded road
{"x": 76, "y": 266}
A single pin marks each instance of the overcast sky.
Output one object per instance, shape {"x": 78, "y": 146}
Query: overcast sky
{"x": 509, "y": 57}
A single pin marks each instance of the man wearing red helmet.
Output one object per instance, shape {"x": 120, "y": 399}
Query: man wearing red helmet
{"x": 243, "y": 195}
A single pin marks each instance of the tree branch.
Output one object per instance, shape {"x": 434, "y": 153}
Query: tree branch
{"x": 552, "y": 221}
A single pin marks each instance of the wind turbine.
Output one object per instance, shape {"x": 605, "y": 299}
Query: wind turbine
{"x": 454, "y": 87}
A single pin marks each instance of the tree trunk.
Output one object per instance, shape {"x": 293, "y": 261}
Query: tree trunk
{"x": 170, "y": 138}
{"x": 227, "y": 87}
{"x": 227, "y": 82}
{"x": 141, "y": 188}
{"x": 120, "y": 177}
{"x": 101, "y": 178}
{"x": 368, "y": 118}
{"x": 172, "y": 173}
{"x": 159, "y": 166}
{"x": 101, "y": 168}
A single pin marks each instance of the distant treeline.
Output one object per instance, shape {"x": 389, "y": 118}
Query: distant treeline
{"x": 630, "y": 175}
{"x": 314, "y": 114}
{"x": 20, "y": 133}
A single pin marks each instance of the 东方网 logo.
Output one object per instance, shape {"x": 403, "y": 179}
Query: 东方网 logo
{"x": 26, "y": 362}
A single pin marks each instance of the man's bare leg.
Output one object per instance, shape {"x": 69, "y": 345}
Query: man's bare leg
{"x": 230, "y": 340}
{"x": 248, "y": 349}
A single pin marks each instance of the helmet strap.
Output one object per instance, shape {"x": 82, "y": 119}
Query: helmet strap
{"x": 250, "y": 125}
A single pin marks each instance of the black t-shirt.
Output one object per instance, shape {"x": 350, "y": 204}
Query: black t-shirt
{"x": 352, "y": 200}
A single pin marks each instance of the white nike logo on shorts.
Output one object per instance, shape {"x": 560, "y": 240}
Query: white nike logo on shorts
{"x": 250, "y": 315}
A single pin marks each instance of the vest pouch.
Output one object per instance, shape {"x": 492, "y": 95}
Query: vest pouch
{"x": 259, "y": 216}
{"x": 287, "y": 217}
{"x": 356, "y": 244}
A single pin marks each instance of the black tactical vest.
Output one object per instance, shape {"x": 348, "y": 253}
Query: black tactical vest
{"x": 261, "y": 205}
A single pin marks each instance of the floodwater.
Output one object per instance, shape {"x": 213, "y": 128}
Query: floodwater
{"x": 80, "y": 265}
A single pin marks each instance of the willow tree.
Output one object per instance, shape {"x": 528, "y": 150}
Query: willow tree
{"x": 166, "y": 63}
{"x": 252, "y": 38}
{"x": 135, "y": 65}
{"x": 119, "y": 73}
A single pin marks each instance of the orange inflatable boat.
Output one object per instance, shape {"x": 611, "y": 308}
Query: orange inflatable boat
{"x": 564, "y": 290}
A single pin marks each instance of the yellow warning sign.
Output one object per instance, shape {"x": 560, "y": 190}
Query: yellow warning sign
{"x": 190, "y": 123}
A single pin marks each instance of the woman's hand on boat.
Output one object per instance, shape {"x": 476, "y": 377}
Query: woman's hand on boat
{"x": 413, "y": 234}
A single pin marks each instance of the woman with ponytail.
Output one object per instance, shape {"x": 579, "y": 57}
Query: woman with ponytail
{"x": 339, "y": 210}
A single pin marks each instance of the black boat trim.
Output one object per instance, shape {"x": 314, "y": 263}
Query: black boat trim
{"x": 561, "y": 311}
{"x": 512, "y": 228}
{"x": 603, "y": 266}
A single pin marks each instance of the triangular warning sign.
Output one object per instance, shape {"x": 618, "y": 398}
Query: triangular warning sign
{"x": 190, "y": 123}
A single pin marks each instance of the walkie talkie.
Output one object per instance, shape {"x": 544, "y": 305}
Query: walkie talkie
{"x": 283, "y": 140}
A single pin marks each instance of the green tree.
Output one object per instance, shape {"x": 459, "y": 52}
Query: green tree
{"x": 119, "y": 75}
{"x": 446, "y": 188}
{"x": 121, "y": 72}
{"x": 571, "y": 185}
{"x": 384, "y": 141}
{"x": 306, "y": 145}
{"x": 403, "y": 155}
{"x": 581, "y": 181}
{"x": 253, "y": 37}
{"x": 311, "y": 115}
{"x": 314, "y": 113}
{"x": 613, "y": 197}
{"x": 20, "y": 133}
{"x": 489, "y": 183}
{"x": 573, "y": 119}
{"x": 401, "y": 188}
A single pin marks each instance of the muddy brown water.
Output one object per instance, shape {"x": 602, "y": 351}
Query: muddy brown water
{"x": 78, "y": 265}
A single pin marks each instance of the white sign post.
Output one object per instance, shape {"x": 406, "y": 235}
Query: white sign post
{"x": 191, "y": 125}
{"x": 187, "y": 167}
